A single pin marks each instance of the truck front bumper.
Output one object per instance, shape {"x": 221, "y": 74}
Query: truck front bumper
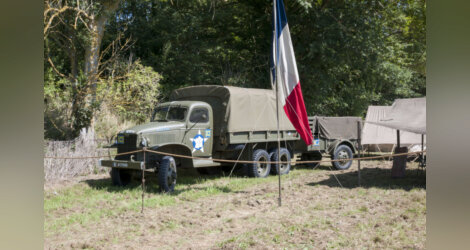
{"x": 137, "y": 165}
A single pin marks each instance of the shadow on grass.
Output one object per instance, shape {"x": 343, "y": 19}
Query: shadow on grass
{"x": 186, "y": 179}
{"x": 375, "y": 178}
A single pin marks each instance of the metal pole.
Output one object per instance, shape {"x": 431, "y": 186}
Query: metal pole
{"x": 278, "y": 145}
{"x": 277, "y": 102}
{"x": 359, "y": 151}
{"x": 143, "y": 182}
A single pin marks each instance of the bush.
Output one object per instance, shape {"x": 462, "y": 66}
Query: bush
{"x": 57, "y": 109}
{"x": 108, "y": 124}
{"x": 133, "y": 97}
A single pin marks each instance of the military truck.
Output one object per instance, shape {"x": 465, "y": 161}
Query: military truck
{"x": 220, "y": 122}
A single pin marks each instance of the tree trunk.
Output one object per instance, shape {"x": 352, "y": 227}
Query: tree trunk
{"x": 92, "y": 60}
{"x": 92, "y": 54}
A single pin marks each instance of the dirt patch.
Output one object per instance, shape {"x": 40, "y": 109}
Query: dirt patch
{"x": 316, "y": 213}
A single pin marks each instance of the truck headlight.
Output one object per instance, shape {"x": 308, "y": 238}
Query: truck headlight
{"x": 144, "y": 142}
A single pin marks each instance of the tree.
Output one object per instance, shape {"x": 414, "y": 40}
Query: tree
{"x": 350, "y": 54}
{"x": 74, "y": 30}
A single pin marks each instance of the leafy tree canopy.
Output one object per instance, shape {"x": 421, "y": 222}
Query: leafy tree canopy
{"x": 350, "y": 54}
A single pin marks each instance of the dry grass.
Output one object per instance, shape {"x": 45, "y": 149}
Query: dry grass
{"x": 56, "y": 170}
{"x": 218, "y": 212}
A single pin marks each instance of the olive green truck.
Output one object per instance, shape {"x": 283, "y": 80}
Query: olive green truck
{"x": 220, "y": 122}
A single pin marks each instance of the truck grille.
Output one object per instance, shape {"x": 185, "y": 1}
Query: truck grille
{"x": 129, "y": 144}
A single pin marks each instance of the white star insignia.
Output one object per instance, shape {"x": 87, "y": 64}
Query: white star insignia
{"x": 198, "y": 142}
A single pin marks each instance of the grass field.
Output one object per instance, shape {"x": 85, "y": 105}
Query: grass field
{"x": 220, "y": 212}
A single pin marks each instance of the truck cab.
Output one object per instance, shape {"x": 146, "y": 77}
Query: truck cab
{"x": 178, "y": 127}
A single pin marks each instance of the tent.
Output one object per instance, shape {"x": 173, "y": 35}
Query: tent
{"x": 379, "y": 138}
{"x": 406, "y": 115}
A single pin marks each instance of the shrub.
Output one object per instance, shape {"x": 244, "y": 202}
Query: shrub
{"x": 107, "y": 124}
{"x": 133, "y": 97}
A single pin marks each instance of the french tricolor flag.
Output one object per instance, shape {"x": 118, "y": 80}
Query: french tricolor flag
{"x": 284, "y": 74}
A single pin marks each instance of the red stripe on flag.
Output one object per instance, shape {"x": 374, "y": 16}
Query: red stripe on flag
{"x": 295, "y": 111}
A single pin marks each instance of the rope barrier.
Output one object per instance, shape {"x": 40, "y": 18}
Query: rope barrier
{"x": 240, "y": 161}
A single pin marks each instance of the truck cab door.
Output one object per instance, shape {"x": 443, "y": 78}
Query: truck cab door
{"x": 199, "y": 135}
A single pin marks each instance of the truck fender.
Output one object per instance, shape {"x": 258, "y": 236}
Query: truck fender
{"x": 172, "y": 148}
{"x": 332, "y": 148}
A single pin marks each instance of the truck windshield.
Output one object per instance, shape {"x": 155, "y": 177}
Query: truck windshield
{"x": 169, "y": 113}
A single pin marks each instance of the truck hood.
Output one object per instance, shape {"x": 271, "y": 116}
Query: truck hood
{"x": 152, "y": 127}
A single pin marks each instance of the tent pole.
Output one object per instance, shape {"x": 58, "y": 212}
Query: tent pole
{"x": 393, "y": 150}
{"x": 359, "y": 151}
{"x": 398, "y": 138}
{"x": 422, "y": 153}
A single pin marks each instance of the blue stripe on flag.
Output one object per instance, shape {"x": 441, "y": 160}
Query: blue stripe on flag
{"x": 278, "y": 25}
{"x": 281, "y": 17}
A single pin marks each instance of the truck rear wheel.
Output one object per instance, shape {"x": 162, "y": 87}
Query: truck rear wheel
{"x": 263, "y": 167}
{"x": 342, "y": 152}
{"x": 285, "y": 157}
{"x": 120, "y": 177}
{"x": 167, "y": 174}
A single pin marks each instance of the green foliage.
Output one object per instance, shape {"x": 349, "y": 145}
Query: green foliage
{"x": 350, "y": 54}
{"x": 57, "y": 107}
{"x": 133, "y": 97}
{"x": 65, "y": 106}
{"x": 107, "y": 123}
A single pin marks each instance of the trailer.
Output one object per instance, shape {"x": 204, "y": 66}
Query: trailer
{"x": 214, "y": 123}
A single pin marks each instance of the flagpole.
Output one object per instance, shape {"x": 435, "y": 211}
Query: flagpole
{"x": 278, "y": 143}
{"x": 277, "y": 103}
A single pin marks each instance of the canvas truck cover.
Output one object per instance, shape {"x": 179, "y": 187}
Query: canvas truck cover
{"x": 336, "y": 127}
{"x": 237, "y": 109}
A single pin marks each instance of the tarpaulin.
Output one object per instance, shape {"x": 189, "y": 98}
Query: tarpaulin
{"x": 237, "y": 109}
{"x": 336, "y": 127}
{"x": 406, "y": 115}
{"x": 380, "y": 135}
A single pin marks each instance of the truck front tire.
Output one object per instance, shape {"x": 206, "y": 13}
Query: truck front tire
{"x": 342, "y": 152}
{"x": 120, "y": 177}
{"x": 262, "y": 168}
{"x": 167, "y": 174}
{"x": 285, "y": 157}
